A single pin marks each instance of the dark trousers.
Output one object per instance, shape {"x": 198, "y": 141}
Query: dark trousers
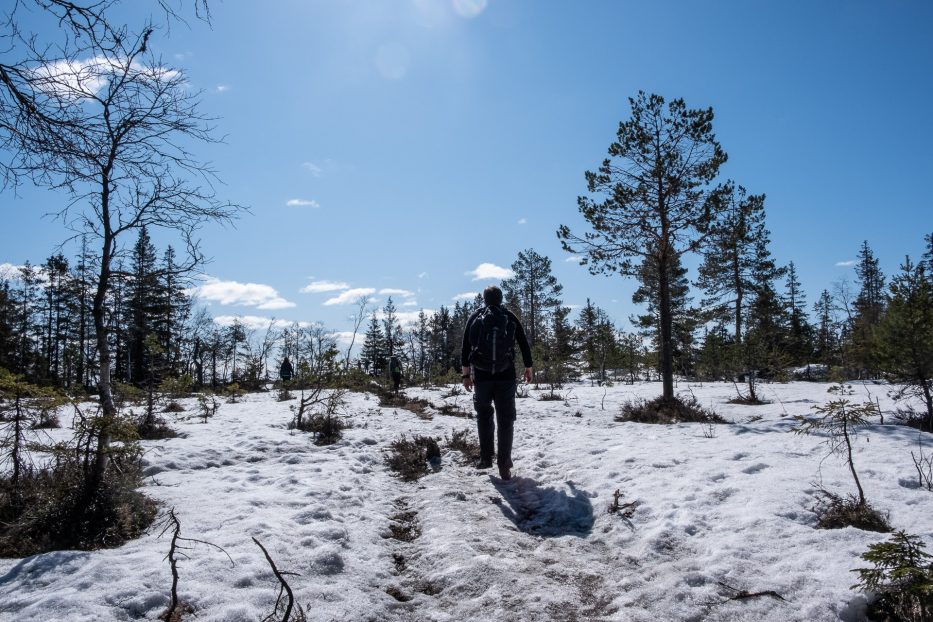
{"x": 502, "y": 394}
{"x": 396, "y": 380}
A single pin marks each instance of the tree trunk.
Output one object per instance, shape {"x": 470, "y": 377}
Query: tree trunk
{"x": 667, "y": 352}
{"x": 108, "y": 408}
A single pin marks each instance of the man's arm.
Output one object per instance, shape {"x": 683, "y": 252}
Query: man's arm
{"x": 465, "y": 349}
{"x": 523, "y": 346}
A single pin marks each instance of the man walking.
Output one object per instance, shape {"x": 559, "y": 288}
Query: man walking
{"x": 489, "y": 351}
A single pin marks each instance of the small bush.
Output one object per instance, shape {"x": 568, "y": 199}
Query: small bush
{"x": 152, "y": 428}
{"x": 552, "y": 396}
{"x": 234, "y": 392}
{"x": 912, "y": 419}
{"x": 54, "y": 513}
{"x": 413, "y": 459}
{"x": 662, "y": 410}
{"x": 414, "y": 404}
{"x": 124, "y": 394}
{"x": 462, "y": 441}
{"x": 177, "y": 387}
{"x": 836, "y": 512}
{"x": 209, "y": 405}
{"x": 521, "y": 391}
{"x": 284, "y": 395}
{"x": 327, "y": 428}
{"x": 745, "y": 400}
{"x": 453, "y": 410}
{"x": 173, "y": 407}
{"x": 47, "y": 420}
{"x": 902, "y": 577}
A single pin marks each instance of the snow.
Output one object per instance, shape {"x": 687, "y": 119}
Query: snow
{"x": 723, "y": 505}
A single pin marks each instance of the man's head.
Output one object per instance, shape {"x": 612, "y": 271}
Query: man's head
{"x": 492, "y": 296}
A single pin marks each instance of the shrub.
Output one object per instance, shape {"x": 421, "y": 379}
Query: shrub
{"x": 56, "y": 513}
{"x": 327, "y": 427}
{"x": 174, "y": 407}
{"x": 234, "y": 392}
{"x": 413, "y": 459}
{"x": 662, "y": 410}
{"x": 417, "y": 405}
{"x": 551, "y": 396}
{"x": 462, "y": 441}
{"x": 902, "y": 577}
{"x": 453, "y": 410}
{"x": 180, "y": 386}
{"x": 124, "y": 394}
{"x": 284, "y": 395}
{"x": 836, "y": 512}
{"x": 153, "y": 428}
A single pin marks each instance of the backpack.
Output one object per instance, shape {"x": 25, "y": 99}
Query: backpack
{"x": 492, "y": 338}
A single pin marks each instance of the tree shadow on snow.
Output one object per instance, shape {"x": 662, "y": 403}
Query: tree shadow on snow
{"x": 546, "y": 512}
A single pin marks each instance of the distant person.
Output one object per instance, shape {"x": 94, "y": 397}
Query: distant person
{"x": 395, "y": 370}
{"x": 285, "y": 371}
{"x": 489, "y": 352}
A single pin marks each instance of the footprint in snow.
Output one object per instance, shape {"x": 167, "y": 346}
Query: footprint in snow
{"x": 756, "y": 468}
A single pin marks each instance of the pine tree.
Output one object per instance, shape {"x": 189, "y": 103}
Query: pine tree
{"x": 906, "y": 334}
{"x": 143, "y": 298}
{"x": 532, "y": 293}
{"x": 392, "y": 329}
{"x": 655, "y": 201}
{"x": 826, "y": 337}
{"x": 799, "y": 330}
{"x": 869, "y": 308}
{"x": 374, "y": 350}
{"x": 684, "y": 319}
{"x": 732, "y": 256}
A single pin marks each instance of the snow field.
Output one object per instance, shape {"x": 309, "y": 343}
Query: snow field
{"x": 733, "y": 509}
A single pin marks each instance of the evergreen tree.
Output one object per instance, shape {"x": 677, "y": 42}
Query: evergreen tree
{"x": 906, "y": 334}
{"x": 826, "y": 338}
{"x": 869, "y": 307}
{"x": 532, "y": 293}
{"x": 799, "y": 331}
{"x": 716, "y": 358}
{"x": 656, "y": 201}
{"x": 374, "y": 350}
{"x": 732, "y": 257}
{"x": 392, "y": 329}
{"x": 684, "y": 319}
{"x": 143, "y": 301}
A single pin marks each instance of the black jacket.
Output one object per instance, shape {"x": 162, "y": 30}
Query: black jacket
{"x": 520, "y": 339}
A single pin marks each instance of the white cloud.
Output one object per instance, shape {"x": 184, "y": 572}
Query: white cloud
{"x": 523, "y": 221}
{"x": 9, "y": 272}
{"x": 76, "y": 80}
{"x": 256, "y": 322}
{"x": 223, "y": 88}
{"x": 410, "y": 303}
{"x": 573, "y": 259}
{"x": 470, "y": 8}
{"x": 349, "y": 296}
{"x": 423, "y": 275}
{"x": 313, "y": 168}
{"x": 389, "y": 291}
{"x": 303, "y": 203}
{"x": 242, "y": 294}
{"x": 465, "y": 296}
{"x": 489, "y": 272}
{"x": 846, "y": 264}
{"x": 317, "y": 287}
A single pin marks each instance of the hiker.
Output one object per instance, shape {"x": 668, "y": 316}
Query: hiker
{"x": 286, "y": 371}
{"x": 395, "y": 370}
{"x": 489, "y": 351}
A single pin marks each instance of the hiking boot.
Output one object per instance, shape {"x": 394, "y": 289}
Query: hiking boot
{"x": 483, "y": 464}
{"x": 505, "y": 473}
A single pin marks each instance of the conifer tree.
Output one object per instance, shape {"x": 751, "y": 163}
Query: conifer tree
{"x": 532, "y": 293}
{"x": 730, "y": 260}
{"x": 392, "y": 329}
{"x": 654, "y": 201}
{"x": 825, "y": 338}
{"x": 869, "y": 308}
{"x": 799, "y": 331}
{"x": 374, "y": 350}
{"x": 684, "y": 319}
{"x": 906, "y": 334}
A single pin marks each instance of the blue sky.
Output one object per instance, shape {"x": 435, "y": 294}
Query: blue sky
{"x": 395, "y": 146}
